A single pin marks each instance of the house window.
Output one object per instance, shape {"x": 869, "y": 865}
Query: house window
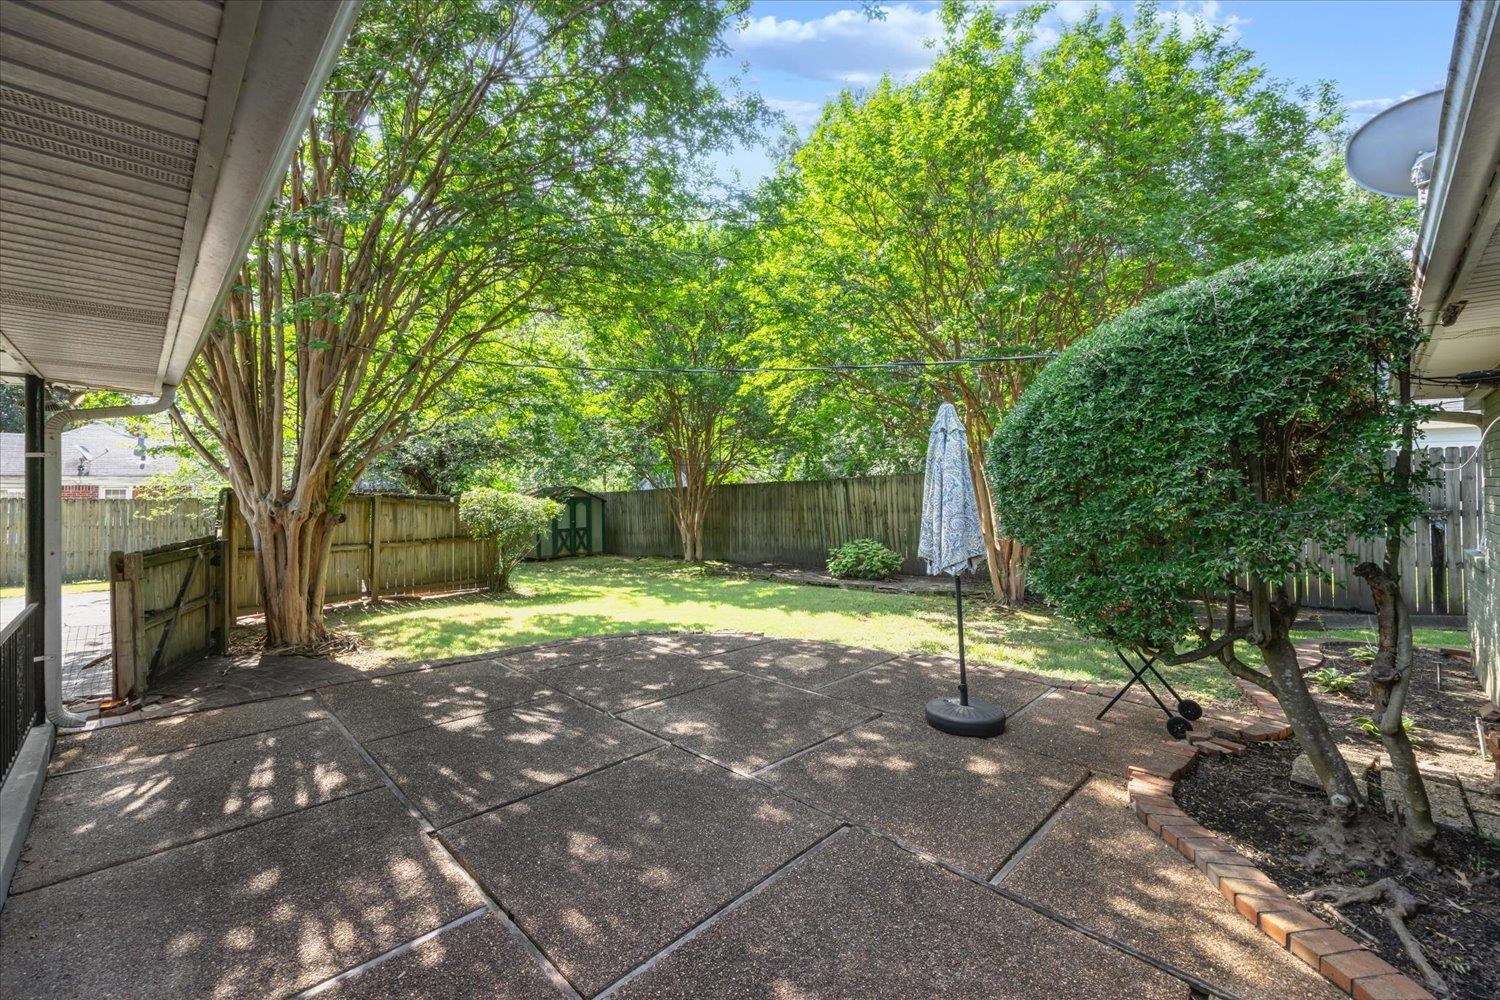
{"x": 116, "y": 493}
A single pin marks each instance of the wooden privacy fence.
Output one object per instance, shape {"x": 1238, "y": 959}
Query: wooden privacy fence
{"x": 791, "y": 523}
{"x": 92, "y": 529}
{"x": 797, "y": 523}
{"x": 167, "y": 608}
{"x": 388, "y": 545}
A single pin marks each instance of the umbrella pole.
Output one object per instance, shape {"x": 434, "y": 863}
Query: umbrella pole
{"x": 963, "y": 671}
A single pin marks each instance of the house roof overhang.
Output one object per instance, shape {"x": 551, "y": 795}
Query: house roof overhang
{"x": 141, "y": 146}
{"x": 1457, "y": 255}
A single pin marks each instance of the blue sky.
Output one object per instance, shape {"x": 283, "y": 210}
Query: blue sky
{"x": 801, "y": 52}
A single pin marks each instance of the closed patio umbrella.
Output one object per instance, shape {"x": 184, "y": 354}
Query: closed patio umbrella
{"x": 951, "y": 542}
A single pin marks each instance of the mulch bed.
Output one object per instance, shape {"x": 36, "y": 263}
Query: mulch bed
{"x": 1286, "y": 831}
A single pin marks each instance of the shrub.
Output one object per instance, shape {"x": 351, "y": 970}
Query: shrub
{"x": 1204, "y": 438}
{"x": 510, "y": 520}
{"x": 863, "y": 559}
{"x": 1333, "y": 680}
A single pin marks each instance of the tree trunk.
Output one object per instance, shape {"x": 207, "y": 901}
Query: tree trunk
{"x": 1004, "y": 556}
{"x": 1308, "y": 724}
{"x": 1390, "y": 678}
{"x": 687, "y": 512}
{"x": 1271, "y": 624}
{"x": 290, "y": 553}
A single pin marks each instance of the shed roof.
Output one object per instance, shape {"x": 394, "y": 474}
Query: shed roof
{"x": 566, "y": 490}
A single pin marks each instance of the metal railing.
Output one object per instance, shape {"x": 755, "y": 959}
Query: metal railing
{"x": 20, "y": 685}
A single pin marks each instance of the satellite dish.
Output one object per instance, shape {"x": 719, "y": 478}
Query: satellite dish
{"x": 1392, "y": 152}
{"x": 85, "y": 452}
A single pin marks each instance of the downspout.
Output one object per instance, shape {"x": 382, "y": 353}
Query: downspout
{"x": 52, "y": 540}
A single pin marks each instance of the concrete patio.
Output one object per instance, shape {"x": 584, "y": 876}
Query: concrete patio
{"x": 663, "y": 815}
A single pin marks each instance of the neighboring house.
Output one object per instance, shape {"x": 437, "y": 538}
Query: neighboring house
{"x": 1441, "y": 433}
{"x": 1457, "y": 262}
{"x": 100, "y": 461}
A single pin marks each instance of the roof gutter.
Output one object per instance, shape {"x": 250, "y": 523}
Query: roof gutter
{"x": 1466, "y": 169}
{"x": 57, "y": 712}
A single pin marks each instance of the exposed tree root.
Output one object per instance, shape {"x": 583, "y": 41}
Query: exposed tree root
{"x": 1400, "y": 904}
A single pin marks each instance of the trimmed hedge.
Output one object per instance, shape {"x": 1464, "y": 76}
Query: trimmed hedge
{"x": 1131, "y": 464}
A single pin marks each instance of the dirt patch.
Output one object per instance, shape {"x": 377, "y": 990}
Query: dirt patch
{"x": 1286, "y": 831}
{"x": 1443, "y": 702}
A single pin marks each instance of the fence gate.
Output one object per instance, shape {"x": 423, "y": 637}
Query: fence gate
{"x": 167, "y": 608}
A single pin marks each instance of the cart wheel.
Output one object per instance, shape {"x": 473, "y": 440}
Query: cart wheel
{"x": 1190, "y": 710}
{"x": 1178, "y": 727}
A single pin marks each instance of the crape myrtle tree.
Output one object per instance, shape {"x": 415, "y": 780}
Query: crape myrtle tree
{"x": 1169, "y": 470}
{"x": 668, "y": 333}
{"x": 465, "y": 157}
{"x": 1020, "y": 192}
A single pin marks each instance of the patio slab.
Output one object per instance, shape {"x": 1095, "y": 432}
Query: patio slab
{"x": 386, "y": 706}
{"x": 559, "y": 654}
{"x": 625, "y": 682}
{"x": 1061, "y": 724}
{"x": 605, "y": 871}
{"x": 101, "y": 747}
{"x": 748, "y": 722}
{"x": 92, "y": 819}
{"x": 905, "y": 685}
{"x": 457, "y": 769}
{"x": 477, "y": 959}
{"x": 860, "y": 918}
{"x": 803, "y": 662}
{"x": 702, "y": 643}
{"x": 969, "y": 802}
{"x": 1098, "y": 865}
{"x": 265, "y": 911}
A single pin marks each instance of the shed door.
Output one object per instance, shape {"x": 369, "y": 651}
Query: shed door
{"x": 571, "y": 532}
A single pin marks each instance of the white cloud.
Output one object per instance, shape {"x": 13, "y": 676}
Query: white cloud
{"x": 845, "y": 46}
{"x": 1365, "y": 108}
{"x": 1193, "y": 18}
{"x": 803, "y": 114}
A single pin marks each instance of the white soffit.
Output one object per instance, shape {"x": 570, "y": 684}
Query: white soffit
{"x": 1458, "y": 249}
{"x": 139, "y": 143}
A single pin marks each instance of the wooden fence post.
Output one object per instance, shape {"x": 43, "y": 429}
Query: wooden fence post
{"x": 229, "y": 533}
{"x": 127, "y": 604}
{"x": 374, "y": 576}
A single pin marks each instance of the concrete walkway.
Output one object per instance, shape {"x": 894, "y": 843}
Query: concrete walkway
{"x": 635, "y": 816}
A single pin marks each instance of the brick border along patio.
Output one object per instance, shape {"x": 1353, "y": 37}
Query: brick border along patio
{"x": 1338, "y": 958}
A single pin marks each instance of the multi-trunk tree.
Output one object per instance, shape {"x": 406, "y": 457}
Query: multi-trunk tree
{"x": 1020, "y": 192}
{"x": 681, "y": 314}
{"x": 465, "y": 158}
{"x": 1171, "y": 469}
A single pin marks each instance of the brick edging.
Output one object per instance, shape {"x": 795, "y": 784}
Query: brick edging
{"x": 1340, "y": 959}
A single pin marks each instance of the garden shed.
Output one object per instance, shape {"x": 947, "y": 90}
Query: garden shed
{"x": 578, "y": 530}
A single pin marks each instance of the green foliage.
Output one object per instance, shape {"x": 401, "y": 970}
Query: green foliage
{"x": 1364, "y": 654}
{"x": 510, "y": 520}
{"x": 1333, "y": 680}
{"x": 863, "y": 559}
{"x": 444, "y": 459}
{"x": 1211, "y": 431}
{"x": 1370, "y": 728}
{"x": 1022, "y": 191}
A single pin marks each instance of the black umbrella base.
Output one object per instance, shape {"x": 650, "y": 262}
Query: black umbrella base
{"x": 977, "y": 718}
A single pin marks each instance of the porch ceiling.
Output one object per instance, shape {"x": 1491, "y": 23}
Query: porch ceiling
{"x": 139, "y": 144}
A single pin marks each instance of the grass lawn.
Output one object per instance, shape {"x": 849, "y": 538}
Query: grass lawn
{"x": 80, "y": 587}
{"x": 558, "y": 600}
{"x": 1453, "y": 638}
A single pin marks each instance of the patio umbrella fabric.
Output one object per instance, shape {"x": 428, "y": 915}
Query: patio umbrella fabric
{"x": 951, "y": 541}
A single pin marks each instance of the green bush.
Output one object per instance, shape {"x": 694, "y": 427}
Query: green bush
{"x": 863, "y": 559}
{"x": 510, "y": 520}
{"x": 1333, "y": 680}
{"x": 1208, "y": 433}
